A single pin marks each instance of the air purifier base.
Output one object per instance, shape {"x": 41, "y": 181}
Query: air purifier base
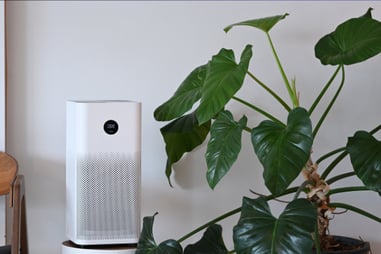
{"x": 69, "y": 247}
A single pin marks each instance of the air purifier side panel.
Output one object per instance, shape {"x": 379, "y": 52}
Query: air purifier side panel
{"x": 105, "y": 172}
{"x": 73, "y": 120}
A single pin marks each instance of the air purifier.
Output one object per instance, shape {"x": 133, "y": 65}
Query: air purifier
{"x": 103, "y": 151}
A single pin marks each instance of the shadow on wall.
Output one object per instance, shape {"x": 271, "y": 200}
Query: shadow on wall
{"x": 185, "y": 173}
{"x": 45, "y": 197}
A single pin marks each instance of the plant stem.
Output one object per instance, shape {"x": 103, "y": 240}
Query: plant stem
{"x": 291, "y": 92}
{"x": 348, "y": 189}
{"x": 333, "y": 164}
{"x": 274, "y": 94}
{"x": 327, "y": 155}
{"x": 339, "y": 177}
{"x": 232, "y": 212}
{"x": 375, "y": 129}
{"x": 202, "y": 227}
{"x": 323, "y": 91}
{"x": 261, "y": 111}
{"x": 356, "y": 210}
{"x": 322, "y": 118}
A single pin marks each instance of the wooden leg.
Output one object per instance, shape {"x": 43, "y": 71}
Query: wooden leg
{"x": 24, "y": 231}
{"x": 8, "y": 221}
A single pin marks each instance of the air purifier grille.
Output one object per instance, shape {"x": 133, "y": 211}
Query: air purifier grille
{"x": 108, "y": 191}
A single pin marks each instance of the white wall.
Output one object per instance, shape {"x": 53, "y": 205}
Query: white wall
{"x": 2, "y": 108}
{"x": 142, "y": 51}
{"x": 2, "y": 77}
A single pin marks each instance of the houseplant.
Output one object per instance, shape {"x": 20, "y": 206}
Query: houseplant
{"x": 284, "y": 148}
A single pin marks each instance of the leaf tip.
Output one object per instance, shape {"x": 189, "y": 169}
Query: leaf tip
{"x": 368, "y": 13}
{"x": 228, "y": 28}
{"x": 168, "y": 172}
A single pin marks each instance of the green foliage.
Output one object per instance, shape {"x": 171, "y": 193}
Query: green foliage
{"x": 210, "y": 243}
{"x": 188, "y": 93}
{"x": 198, "y": 111}
{"x": 352, "y": 42}
{"x": 365, "y": 153}
{"x": 264, "y": 24}
{"x": 224, "y": 146}
{"x": 182, "y": 135}
{"x": 258, "y": 231}
{"x": 283, "y": 150}
{"x": 147, "y": 244}
{"x": 224, "y": 78}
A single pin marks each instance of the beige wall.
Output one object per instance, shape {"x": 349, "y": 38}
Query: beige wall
{"x": 60, "y": 50}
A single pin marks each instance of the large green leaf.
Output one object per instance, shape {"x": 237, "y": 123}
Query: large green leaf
{"x": 264, "y": 24}
{"x": 352, "y": 42}
{"x": 259, "y": 232}
{"x": 283, "y": 150}
{"x": 223, "y": 79}
{"x": 365, "y": 154}
{"x": 147, "y": 244}
{"x": 182, "y": 135}
{"x": 224, "y": 146}
{"x": 185, "y": 96}
{"x": 210, "y": 243}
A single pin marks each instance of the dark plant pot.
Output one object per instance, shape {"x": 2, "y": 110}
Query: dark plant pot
{"x": 360, "y": 247}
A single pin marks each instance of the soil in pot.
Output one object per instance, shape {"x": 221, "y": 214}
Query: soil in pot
{"x": 345, "y": 245}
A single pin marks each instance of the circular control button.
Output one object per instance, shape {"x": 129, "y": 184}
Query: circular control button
{"x": 111, "y": 127}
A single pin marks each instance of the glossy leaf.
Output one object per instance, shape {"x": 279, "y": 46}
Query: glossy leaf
{"x": 365, "y": 154}
{"x": 283, "y": 150}
{"x": 352, "y": 42}
{"x": 224, "y": 146}
{"x": 223, "y": 79}
{"x": 259, "y": 232}
{"x": 264, "y": 24}
{"x": 188, "y": 93}
{"x": 210, "y": 243}
{"x": 147, "y": 244}
{"x": 182, "y": 135}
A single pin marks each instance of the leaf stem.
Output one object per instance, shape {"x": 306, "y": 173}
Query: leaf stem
{"x": 327, "y": 155}
{"x": 323, "y": 91}
{"x": 356, "y": 210}
{"x": 268, "y": 89}
{"x": 261, "y": 111}
{"x": 333, "y": 164}
{"x": 348, "y": 189}
{"x": 375, "y": 129}
{"x": 340, "y": 157}
{"x": 339, "y": 177}
{"x": 322, "y": 118}
{"x": 301, "y": 188}
{"x": 291, "y": 92}
{"x": 232, "y": 212}
{"x": 202, "y": 227}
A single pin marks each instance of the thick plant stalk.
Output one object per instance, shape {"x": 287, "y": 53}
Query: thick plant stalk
{"x": 318, "y": 194}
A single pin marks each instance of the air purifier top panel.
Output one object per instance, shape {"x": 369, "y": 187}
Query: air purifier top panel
{"x": 99, "y": 126}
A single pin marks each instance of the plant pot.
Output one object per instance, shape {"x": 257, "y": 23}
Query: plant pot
{"x": 352, "y": 246}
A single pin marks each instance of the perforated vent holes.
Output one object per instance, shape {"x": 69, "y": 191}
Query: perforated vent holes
{"x": 108, "y": 196}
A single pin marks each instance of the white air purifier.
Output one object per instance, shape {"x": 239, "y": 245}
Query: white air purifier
{"x": 103, "y": 165}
